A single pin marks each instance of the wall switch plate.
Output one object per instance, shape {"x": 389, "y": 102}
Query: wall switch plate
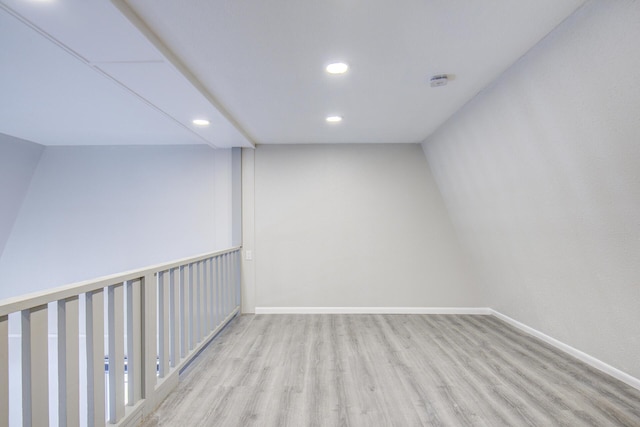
{"x": 248, "y": 255}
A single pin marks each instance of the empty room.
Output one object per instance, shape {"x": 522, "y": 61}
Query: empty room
{"x": 319, "y": 213}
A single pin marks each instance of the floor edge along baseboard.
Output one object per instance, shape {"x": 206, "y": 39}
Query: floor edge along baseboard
{"x": 373, "y": 310}
{"x": 580, "y": 355}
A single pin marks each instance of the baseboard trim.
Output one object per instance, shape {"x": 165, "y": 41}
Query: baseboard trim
{"x": 373, "y": 310}
{"x": 584, "y": 357}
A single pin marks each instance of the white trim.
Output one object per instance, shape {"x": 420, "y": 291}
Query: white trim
{"x": 373, "y": 310}
{"x": 584, "y": 357}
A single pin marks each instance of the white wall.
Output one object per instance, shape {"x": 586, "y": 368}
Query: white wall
{"x": 18, "y": 161}
{"x": 92, "y": 211}
{"x": 541, "y": 176}
{"x": 353, "y": 226}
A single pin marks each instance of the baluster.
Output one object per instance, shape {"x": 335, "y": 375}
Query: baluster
{"x": 229, "y": 286}
{"x": 219, "y": 289}
{"x": 212, "y": 295}
{"x": 4, "y": 371}
{"x": 134, "y": 342}
{"x": 163, "y": 323}
{"x": 232, "y": 262}
{"x": 95, "y": 357}
{"x": 232, "y": 296}
{"x": 227, "y": 290}
{"x": 149, "y": 317}
{"x": 201, "y": 305}
{"x": 218, "y": 310}
{"x": 115, "y": 313}
{"x": 192, "y": 309}
{"x": 35, "y": 363}
{"x": 68, "y": 374}
{"x": 175, "y": 321}
{"x": 223, "y": 288}
{"x": 232, "y": 267}
{"x": 184, "y": 305}
{"x": 238, "y": 278}
{"x": 214, "y": 291}
{"x": 205, "y": 293}
{"x": 196, "y": 284}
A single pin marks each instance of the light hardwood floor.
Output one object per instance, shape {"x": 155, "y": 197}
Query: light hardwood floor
{"x": 390, "y": 370}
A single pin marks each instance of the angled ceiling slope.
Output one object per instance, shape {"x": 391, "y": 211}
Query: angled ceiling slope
{"x": 264, "y": 60}
{"x": 77, "y": 72}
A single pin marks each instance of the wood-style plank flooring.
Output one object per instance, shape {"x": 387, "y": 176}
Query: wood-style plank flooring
{"x": 390, "y": 370}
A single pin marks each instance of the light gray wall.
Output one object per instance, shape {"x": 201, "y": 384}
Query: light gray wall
{"x": 236, "y": 196}
{"x": 541, "y": 176}
{"x": 353, "y": 226}
{"x": 92, "y": 211}
{"x": 18, "y": 161}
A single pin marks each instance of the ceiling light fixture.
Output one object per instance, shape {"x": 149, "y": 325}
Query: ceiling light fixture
{"x": 201, "y": 122}
{"x": 337, "y": 68}
{"x": 334, "y": 119}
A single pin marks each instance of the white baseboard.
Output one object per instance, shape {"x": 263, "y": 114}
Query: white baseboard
{"x": 373, "y": 310}
{"x": 584, "y": 357}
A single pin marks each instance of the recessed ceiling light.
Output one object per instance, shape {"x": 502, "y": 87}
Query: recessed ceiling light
{"x": 337, "y": 68}
{"x": 201, "y": 122}
{"x": 334, "y": 119}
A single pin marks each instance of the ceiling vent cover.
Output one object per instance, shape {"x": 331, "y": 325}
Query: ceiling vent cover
{"x": 438, "y": 80}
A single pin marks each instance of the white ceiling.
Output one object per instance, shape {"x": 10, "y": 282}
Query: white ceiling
{"x": 77, "y": 72}
{"x": 138, "y": 71}
{"x": 264, "y": 60}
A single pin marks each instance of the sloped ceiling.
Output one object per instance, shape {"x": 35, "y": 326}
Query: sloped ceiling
{"x": 138, "y": 71}
{"x": 77, "y": 72}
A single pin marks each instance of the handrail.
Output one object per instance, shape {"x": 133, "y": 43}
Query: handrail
{"x": 34, "y": 299}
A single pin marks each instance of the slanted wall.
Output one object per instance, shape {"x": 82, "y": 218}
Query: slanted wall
{"x": 541, "y": 176}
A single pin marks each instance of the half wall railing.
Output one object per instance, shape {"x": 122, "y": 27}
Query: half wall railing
{"x": 120, "y": 340}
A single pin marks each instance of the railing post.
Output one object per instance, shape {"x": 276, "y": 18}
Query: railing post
{"x": 4, "y": 371}
{"x": 35, "y": 363}
{"x": 68, "y": 373}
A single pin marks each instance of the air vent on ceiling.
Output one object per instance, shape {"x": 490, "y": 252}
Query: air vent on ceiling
{"x": 438, "y": 80}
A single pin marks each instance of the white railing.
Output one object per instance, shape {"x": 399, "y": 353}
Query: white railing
{"x": 138, "y": 330}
